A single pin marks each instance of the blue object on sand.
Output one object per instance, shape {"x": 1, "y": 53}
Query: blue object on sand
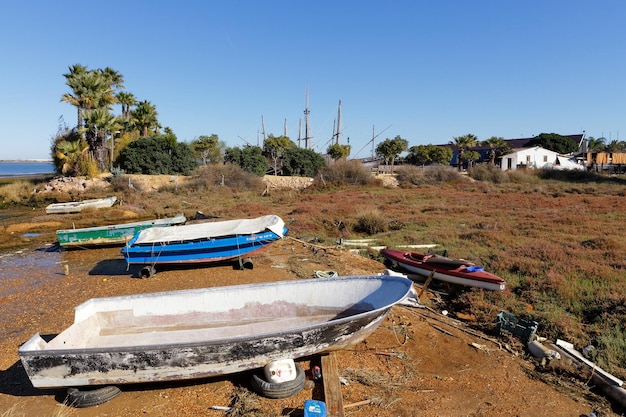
{"x": 314, "y": 408}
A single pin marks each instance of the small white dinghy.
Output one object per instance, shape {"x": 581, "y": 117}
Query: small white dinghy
{"x": 205, "y": 332}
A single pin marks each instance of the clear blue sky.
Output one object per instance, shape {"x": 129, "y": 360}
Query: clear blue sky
{"x": 425, "y": 70}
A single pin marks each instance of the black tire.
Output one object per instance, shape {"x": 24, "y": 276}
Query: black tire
{"x": 90, "y": 397}
{"x": 247, "y": 263}
{"x": 278, "y": 390}
{"x": 147, "y": 272}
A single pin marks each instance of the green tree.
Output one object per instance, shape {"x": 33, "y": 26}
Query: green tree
{"x": 419, "y": 155}
{"x": 616, "y": 146}
{"x": 464, "y": 143}
{"x": 497, "y": 148}
{"x": 471, "y": 157}
{"x": 92, "y": 93}
{"x": 127, "y": 101}
{"x": 337, "y": 151}
{"x": 429, "y": 154}
{"x": 75, "y": 97}
{"x": 275, "y": 146}
{"x": 441, "y": 155}
{"x": 596, "y": 145}
{"x": 159, "y": 154}
{"x": 554, "y": 142}
{"x": 390, "y": 149}
{"x": 302, "y": 162}
{"x": 145, "y": 117}
{"x": 209, "y": 149}
{"x": 100, "y": 127}
{"x": 68, "y": 155}
{"x": 250, "y": 159}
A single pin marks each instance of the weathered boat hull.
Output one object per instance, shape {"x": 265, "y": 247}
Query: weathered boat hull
{"x": 209, "y": 332}
{"x": 456, "y": 272}
{"x": 191, "y": 244}
{"x": 117, "y": 234}
{"x": 78, "y": 206}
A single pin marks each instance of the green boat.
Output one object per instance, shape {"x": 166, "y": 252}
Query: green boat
{"x": 116, "y": 234}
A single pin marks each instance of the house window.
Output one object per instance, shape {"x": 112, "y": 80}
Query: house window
{"x": 545, "y": 158}
{"x": 528, "y": 159}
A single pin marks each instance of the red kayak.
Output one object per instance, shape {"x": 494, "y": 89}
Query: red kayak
{"x": 454, "y": 271}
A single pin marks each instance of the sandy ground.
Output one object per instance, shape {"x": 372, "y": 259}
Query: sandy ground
{"x": 418, "y": 362}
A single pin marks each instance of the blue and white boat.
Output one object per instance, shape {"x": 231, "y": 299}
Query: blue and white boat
{"x": 203, "y": 242}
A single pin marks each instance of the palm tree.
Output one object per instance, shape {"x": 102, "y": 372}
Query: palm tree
{"x": 69, "y": 153}
{"x": 127, "y": 100}
{"x": 75, "y": 98}
{"x": 144, "y": 116}
{"x": 90, "y": 90}
{"x": 596, "y": 145}
{"x": 497, "y": 148}
{"x": 463, "y": 143}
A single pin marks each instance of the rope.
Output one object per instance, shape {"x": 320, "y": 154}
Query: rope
{"x": 325, "y": 274}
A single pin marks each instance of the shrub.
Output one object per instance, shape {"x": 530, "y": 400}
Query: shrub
{"x": 250, "y": 159}
{"x": 302, "y": 162}
{"x": 412, "y": 175}
{"x": 487, "y": 172}
{"x": 371, "y": 221}
{"x": 157, "y": 155}
{"x": 16, "y": 192}
{"x": 228, "y": 175}
{"x": 346, "y": 172}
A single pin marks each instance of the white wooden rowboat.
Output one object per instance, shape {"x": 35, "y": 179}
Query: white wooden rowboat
{"x": 78, "y": 206}
{"x": 207, "y": 332}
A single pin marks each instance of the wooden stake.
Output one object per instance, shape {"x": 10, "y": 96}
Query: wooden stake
{"x": 426, "y": 284}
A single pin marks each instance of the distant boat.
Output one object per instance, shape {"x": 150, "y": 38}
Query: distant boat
{"x": 78, "y": 206}
{"x": 203, "y": 242}
{"x": 207, "y": 332}
{"x": 454, "y": 271}
{"x": 116, "y": 234}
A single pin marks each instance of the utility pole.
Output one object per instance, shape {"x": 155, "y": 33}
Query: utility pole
{"x": 338, "y": 123}
{"x": 307, "y": 132}
{"x": 263, "y": 127}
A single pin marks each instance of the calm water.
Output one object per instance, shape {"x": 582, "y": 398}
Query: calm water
{"x": 12, "y": 169}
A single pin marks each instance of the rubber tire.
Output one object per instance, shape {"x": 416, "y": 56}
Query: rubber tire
{"x": 88, "y": 398}
{"x": 147, "y": 272}
{"x": 278, "y": 390}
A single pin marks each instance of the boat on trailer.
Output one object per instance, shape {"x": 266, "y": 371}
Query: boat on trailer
{"x": 203, "y": 242}
{"x": 206, "y": 332}
{"x": 116, "y": 234}
{"x": 443, "y": 268}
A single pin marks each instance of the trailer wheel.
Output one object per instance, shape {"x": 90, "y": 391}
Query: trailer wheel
{"x": 278, "y": 390}
{"x": 247, "y": 263}
{"x": 90, "y": 397}
{"x": 147, "y": 271}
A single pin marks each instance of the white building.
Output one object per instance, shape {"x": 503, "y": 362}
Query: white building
{"x": 537, "y": 157}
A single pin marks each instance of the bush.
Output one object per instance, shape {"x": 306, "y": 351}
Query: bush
{"x": 228, "y": 175}
{"x": 371, "y": 222}
{"x": 249, "y": 159}
{"x": 302, "y": 162}
{"x": 18, "y": 191}
{"x": 346, "y": 172}
{"x": 157, "y": 155}
{"x": 409, "y": 175}
{"x": 487, "y": 172}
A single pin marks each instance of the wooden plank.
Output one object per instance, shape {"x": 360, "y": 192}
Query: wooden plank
{"x": 332, "y": 386}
